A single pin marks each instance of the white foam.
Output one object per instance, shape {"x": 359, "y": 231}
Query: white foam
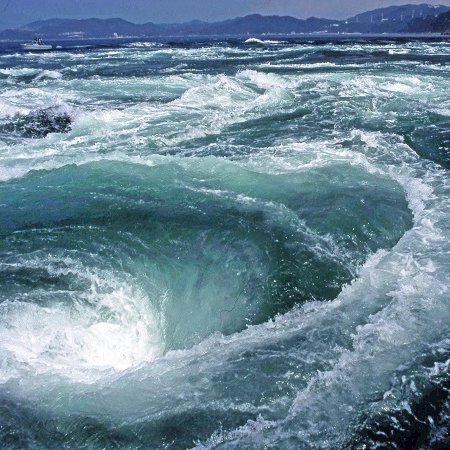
{"x": 266, "y": 80}
{"x": 251, "y": 428}
{"x": 111, "y": 327}
{"x": 24, "y": 101}
{"x": 36, "y": 74}
{"x": 20, "y": 72}
{"x": 144, "y": 44}
{"x": 256, "y": 41}
{"x": 9, "y": 110}
{"x": 398, "y": 51}
{"x": 49, "y": 75}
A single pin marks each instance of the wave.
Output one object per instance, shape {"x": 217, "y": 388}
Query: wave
{"x": 29, "y": 75}
{"x": 255, "y": 41}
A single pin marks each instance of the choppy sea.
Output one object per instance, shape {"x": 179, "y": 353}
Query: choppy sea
{"x": 214, "y": 244}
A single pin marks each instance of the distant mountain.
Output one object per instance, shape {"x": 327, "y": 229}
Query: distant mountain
{"x": 257, "y": 24}
{"x": 392, "y": 19}
{"x": 252, "y": 24}
{"x": 55, "y": 28}
{"x": 431, "y": 24}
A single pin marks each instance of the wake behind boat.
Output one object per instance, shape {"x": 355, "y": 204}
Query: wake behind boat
{"x": 36, "y": 45}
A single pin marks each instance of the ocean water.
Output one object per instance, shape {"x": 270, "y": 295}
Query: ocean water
{"x": 222, "y": 245}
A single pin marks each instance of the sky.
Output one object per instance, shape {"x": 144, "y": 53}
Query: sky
{"x": 14, "y": 13}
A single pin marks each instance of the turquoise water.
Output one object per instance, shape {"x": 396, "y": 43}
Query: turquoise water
{"x": 218, "y": 245}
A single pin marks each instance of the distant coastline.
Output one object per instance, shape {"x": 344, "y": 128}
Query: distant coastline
{"x": 395, "y": 19}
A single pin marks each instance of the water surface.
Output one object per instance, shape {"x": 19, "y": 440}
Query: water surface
{"x": 217, "y": 245}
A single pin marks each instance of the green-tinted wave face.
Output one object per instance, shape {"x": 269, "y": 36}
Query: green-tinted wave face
{"x": 213, "y": 244}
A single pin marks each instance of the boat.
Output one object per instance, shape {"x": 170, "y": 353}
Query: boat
{"x": 36, "y": 45}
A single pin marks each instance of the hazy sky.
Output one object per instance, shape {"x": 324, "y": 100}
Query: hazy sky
{"x": 19, "y": 12}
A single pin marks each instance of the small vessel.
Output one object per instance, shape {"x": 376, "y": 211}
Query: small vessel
{"x": 36, "y": 45}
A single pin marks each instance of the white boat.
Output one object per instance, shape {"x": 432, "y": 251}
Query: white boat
{"x": 36, "y": 45}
